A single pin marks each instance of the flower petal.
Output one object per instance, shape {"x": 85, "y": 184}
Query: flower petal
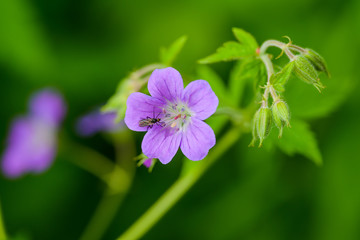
{"x": 140, "y": 106}
{"x": 201, "y": 99}
{"x": 147, "y": 163}
{"x": 31, "y": 147}
{"x": 97, "y": 121}
{"x": 197, "y": 140}
{"x": 166, "y": 84}
{"x": 49, "y": 105}
{"x": 161, "y": 143}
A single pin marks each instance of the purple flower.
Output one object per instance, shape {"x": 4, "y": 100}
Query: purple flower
{"x": 147, "y": 163}
{"x": 178, "y": 114}
{"x": 49, "y": 106}
{"x": 97, "y": 121}
{"x": 31, "y": 145}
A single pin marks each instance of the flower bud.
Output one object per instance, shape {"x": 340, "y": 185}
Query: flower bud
{"x": 307, "y": 72}
{"x": 149, "y": 163}
{"x": 262, "y": 125}
{"x": 317, "y": 61}
{"x": 281, "y": 114}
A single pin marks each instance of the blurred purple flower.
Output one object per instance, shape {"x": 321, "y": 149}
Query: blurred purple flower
{"x": 31, "y": 145}
{"x": 49, "y": 106}
{"x": 97, "y": 121}
{"x": 180, "y": 112}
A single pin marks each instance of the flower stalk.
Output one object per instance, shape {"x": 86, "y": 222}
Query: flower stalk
{"x": 119, "y": 182}
{"x": 2, "y": 227}
{"x": 179, "y": 188}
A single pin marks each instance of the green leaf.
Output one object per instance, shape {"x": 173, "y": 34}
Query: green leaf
{"x": 168, "y": 55}
{"x": 245, "y": 72}
{"x": 217, "y": 84}
{"x": 299, "y": 139}
{"x": 246, "y": 47}
{"x": 228, "y": 52}
{"x": 239, "y": 76}
{"x": 280, "y": 78}
{"x": 245, "y": 38}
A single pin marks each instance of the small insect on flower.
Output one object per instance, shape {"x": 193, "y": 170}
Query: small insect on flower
{"x": 181, "y": 114}
{"x": 150, "y": 122}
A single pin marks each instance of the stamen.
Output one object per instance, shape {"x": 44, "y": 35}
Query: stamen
{"x": 176, "y": 116}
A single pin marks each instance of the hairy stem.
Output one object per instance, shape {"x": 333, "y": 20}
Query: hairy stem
{"x": 274, "y": 43}
{"x": 2, "y": 227}
{"x": 269, "y": 66}
{"x": 271, "y": 43}
{"x": 178, "y": 189}
{"x": 235, "y": 114}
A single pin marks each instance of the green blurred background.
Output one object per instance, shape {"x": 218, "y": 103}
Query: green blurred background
{"x": 84, "y": 48}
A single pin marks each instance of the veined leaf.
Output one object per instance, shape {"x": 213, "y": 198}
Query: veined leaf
{"x": 243, "y": 71}
{"x": 245, "y": 38}
{"x": 299, "y": 139}
{"x": 168, "y": 55}
{"x": 279, "y": 79}
{"x": 246, "y": 47}
{"x": 228, "y": 52}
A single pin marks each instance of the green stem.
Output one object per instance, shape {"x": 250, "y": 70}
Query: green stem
{"x": 92, "y": 161}
{"x": 178, "y": 189}
{"x": 86, "y": 158}
{"x": 2, "y": 227}
{"x": 236, "y": 115}
{"x": 119, "y": 182}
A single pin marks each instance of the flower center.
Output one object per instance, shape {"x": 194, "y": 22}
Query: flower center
{"x": 176, "y": 116}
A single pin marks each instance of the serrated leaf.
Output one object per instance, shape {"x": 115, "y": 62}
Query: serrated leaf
{"x": 245, "y": 38}
{"x": 168, "y": 55}
{"x": 217, "y": 84}
{"x": 280, "y": 78}
{"x": 299, "y": 139}
{"x": 228, "y": 52}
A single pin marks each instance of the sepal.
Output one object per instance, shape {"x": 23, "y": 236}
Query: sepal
{"x": 307, "y": 72}
{"x": 281, "y": 115}
{"x": 317, "y": 61}
{"x": 261, "y": 125}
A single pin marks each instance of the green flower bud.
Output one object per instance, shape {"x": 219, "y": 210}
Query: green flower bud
{"x": 281, "y": 115}
{"x": 261, "y": 125}
{"x": 307, "y": 72}
{"x": 317, "y": 61}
